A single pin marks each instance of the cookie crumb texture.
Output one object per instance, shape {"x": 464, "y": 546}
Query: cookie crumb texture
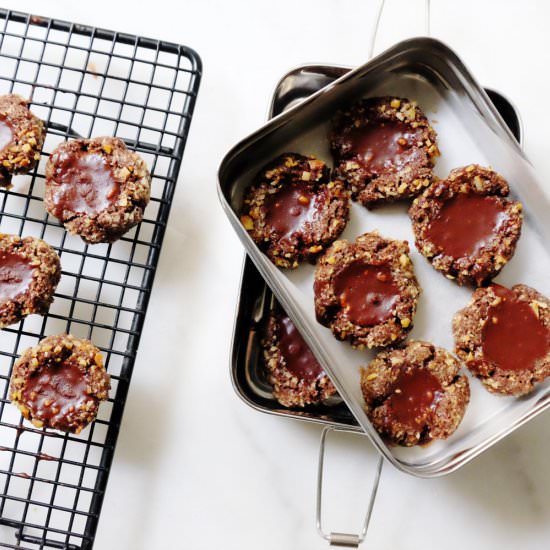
{"x": 22, "y": 135}
{"x": 415, "y": 394}
{"x": 466, "y": 226}
{"x": 59, "y": 383}
{"x": 384, "y": 148}
{"x": 294, "y": 211}
{"x": 503, "y": 336}
{"x": 29, "y": 273}
{"x": 297, "y": 378}
{"x": 97, "y": 188}
{"x": 366, "y": 291}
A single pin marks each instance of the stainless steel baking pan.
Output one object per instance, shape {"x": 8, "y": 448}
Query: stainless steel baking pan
{"x": 255, "y": 297}
{"x": 470, "y": 130}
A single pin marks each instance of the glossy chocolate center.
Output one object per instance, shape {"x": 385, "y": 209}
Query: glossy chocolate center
{"x": 367, "y": 292}
{"x": 290, "y": 208}
{"x": 15, "y": 275}
{"x": 513, "y": 338}
{"x": 297, "y": 356}
{"x": 6, "y": 133}
{"x": 55, "y": 393}
{"x": 466, "y": 223}
{"x": 385, "y": 145}
{"x": 413, "y": 395}
{"x": 85, "y": 184}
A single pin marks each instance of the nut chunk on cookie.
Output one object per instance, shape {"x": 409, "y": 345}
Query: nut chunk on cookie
{"x": 22, "y": 135}
{"x": 297, "y": 378}
{"x": 415, "y": 394}
{"x": 293, "y": 211}
{"x": 466, "y": 225}
{"x": 503, "y": 336}
{"x": 384, "y": 148}
{"x": 366, "y": 291}
{"x": 29, "y": 273}
{"x": 59, "y": 383}
{"x": 97, "y": 188}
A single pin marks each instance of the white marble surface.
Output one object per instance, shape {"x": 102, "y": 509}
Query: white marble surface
{"x": 196, "y": 468}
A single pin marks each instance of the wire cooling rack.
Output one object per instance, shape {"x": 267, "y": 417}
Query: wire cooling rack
{"x": 85, "y": 82}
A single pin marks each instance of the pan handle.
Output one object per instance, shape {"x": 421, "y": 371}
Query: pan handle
{"x": 376, "y": 25}
{"x": 335, "y": 539}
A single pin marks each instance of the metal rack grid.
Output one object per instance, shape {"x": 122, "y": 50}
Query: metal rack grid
{"x": 84, "y": 81}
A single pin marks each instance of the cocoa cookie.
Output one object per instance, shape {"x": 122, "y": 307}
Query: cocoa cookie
{"x": 97, "y": 188}
{"x": 503, "y": 336}
{"x": 293, "y": 211}
{"x": 466, "y": 225}
{"x": 366, "y": 291}
{"x": 297, "y": 378}
{"x": 29, "y": 273}
{"x": 384, "y": 148}
{"x": 415, "y": 394}
{"x": 21, "y": 138}
{"x": 59, "y": 383}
